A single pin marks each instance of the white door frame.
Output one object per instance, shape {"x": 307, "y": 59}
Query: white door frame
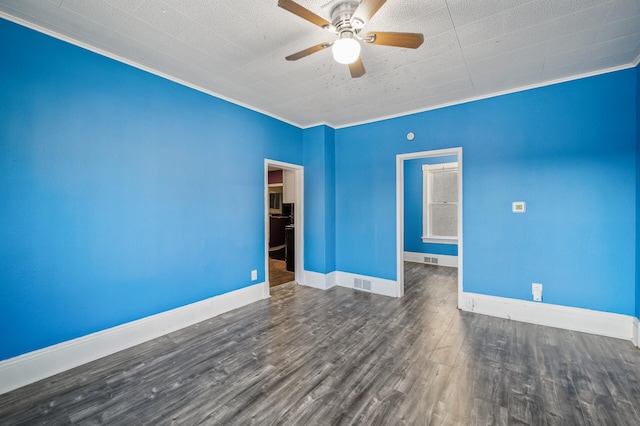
{"x": 298, "y": 217}
{"x": 400, "y": 159}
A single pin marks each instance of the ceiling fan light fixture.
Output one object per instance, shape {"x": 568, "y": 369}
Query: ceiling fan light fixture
{"x": 346, "y": 50}
{"x": 348, "y": 18}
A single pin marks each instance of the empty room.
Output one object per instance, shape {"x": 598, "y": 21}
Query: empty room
{"x": 358, "y": 212}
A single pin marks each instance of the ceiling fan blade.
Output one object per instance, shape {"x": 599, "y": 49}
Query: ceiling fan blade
{"x": 304, "y": 13}
{"x": 409, "y": 40}
{"x": 367, "y": 9}
{"x": 308, "y": 51}
{"x": 357, "y": 68}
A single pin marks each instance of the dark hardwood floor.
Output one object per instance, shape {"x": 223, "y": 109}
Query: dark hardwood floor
{"x": 312, "y": 357}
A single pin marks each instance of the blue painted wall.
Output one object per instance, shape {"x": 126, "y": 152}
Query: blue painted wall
{"x": 123, "y": 194}
{"x": 413, "y": 214}
{"x": 568, "y": 150}
{"x": 319, "y": 187}
{"x": 637, "y": 70}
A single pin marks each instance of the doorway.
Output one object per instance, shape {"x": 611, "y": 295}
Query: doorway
{"x": 284, "y": 227}
{"x": 400, "y": 212}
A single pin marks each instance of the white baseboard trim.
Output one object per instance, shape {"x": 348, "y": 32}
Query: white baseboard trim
{"x": 565, "y": 317}
{"x": 442, "y": 259}
{"x": 636, "y": 332}
{"x": 319, "y": 280}
{"x": 378, "y": 285}
{"x": 37, "y": 365}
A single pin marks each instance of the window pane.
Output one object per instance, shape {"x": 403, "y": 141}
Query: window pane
{"x": 444, "y": 220}
{"x": 445, "y": 187}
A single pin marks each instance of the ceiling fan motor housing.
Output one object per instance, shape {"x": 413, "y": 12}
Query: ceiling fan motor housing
{"x": 341, "y": 18}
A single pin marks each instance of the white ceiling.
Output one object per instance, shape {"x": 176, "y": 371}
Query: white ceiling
{"x": 235, "y": 49}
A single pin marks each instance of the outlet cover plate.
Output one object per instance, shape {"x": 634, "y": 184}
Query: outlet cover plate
{"x": 470, "y": 303}
{"x": 536, "y": 291}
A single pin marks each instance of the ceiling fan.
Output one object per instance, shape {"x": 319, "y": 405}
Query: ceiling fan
{"x": 348, "y": 17}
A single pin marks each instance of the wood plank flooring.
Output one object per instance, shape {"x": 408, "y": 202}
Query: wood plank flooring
{"x": 312, "y": 357}
{"x": 278, "y": 273}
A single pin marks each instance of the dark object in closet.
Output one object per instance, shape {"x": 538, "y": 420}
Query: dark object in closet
{"x": 288, "y": 210}
{"x": 290, "y": 253}
{"x": 276, "y": 230}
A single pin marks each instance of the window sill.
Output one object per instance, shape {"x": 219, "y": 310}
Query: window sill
{"x": 435, "y": 240}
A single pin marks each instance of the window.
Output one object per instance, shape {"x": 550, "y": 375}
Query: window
{"x": 440, "y": 203}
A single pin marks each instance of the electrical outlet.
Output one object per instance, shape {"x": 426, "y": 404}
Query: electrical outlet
{"x": 536, "y": 291}
{"x": 470, "y": 303}
{"x": 254, "y": 275}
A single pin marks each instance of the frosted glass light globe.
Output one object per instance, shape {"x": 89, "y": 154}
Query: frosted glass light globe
{"x": 345, "y": 50}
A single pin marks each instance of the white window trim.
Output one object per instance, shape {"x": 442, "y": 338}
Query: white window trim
{"x": 427, "y": 173}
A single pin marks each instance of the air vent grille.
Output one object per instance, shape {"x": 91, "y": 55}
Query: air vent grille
{"x": 431, "y": 260}
{"x": 362, "y": 284}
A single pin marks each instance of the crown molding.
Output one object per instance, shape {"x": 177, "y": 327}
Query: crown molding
{"x": 494, "y": 94}
{"x": 150, "y": 70}
{"x": 134, "y": 64}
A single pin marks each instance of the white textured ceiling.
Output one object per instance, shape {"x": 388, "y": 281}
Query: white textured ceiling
{"x": 236, "y": 49}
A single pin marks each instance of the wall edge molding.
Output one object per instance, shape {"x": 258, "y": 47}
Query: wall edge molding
{"x": 443, "y": 259}
{"x": 565, "y": 317}
{"x": 636, "y": 332}
{"x": 37, "y": 365}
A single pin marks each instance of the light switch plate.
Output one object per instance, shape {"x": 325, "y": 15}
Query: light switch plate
{"x": 519, "y": 207}
{"x": 254, "y": 275}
